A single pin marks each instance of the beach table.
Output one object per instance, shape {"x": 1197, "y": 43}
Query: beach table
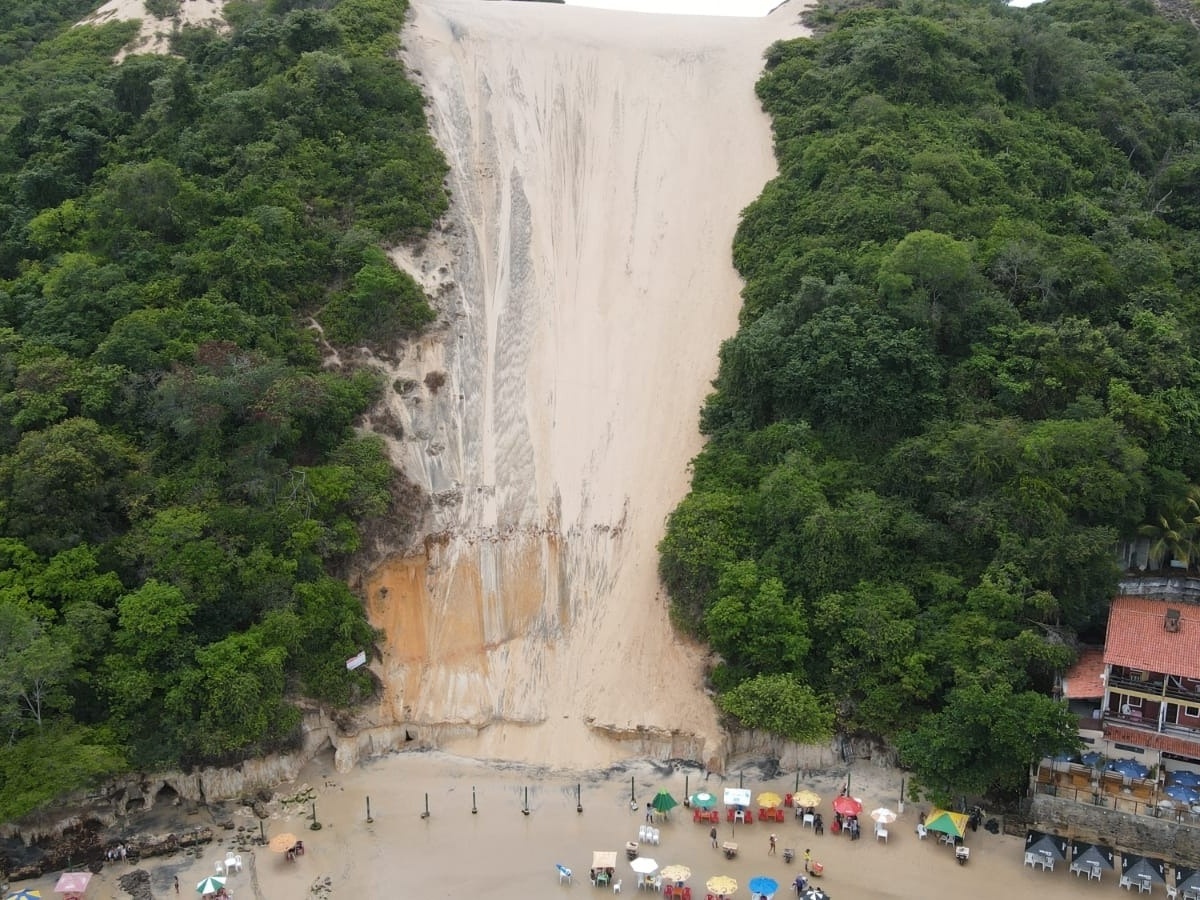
{"x": 730, "y": 848}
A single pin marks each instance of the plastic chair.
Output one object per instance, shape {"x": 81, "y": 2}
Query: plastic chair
{"x": 1031, "y": 860}
{"x": 564, "y": 874}
{"x": 881, "y": 833}
{"x": 654, "y": 835}
{"x": 220, "y": 868}
{"x": 808, "y": 820}
{"x": 617, "y": 886}
{"x": 923, "y": 832}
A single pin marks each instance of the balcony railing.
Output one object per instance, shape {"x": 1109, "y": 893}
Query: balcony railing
{"x": 1154, "y": 688}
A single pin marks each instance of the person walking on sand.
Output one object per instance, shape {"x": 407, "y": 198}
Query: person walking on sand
{"x": 177, "y": 884}
{"x": 650, "y": 812}
{"x": 771, "y": 852}
{"x": 807, "y": 860}
{"x": 712, "y": 834}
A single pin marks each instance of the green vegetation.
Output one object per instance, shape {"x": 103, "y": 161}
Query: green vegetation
{"x": 181, "y": 487}
{"x": 965, "y": 371}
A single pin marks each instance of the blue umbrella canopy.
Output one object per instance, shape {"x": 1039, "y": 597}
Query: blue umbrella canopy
{"x": 1186, "y": 879}
{"x": 1091, "y": 759}
{"x": 1183, "y": 793}
{"x": 1128, "y": 767}
{"x": 24, "y": 895}
{"x": 1184, "y": 777}
{"x": 761, "y": 884}
{"x": 1037, "y": 841}
{"x": 1081, "y": 852}
{"x": 1136, "y": 866}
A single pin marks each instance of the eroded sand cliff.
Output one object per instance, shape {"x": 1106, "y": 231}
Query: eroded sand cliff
{"x": 599, "y": 162}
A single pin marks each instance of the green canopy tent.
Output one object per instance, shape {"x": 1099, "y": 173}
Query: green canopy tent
{"x": 664, "y": 802}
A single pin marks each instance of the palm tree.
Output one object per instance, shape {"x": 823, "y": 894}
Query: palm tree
{"x": 1174, "y": 529}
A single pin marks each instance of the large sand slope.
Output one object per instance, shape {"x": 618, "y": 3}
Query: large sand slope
{"x": 599, "y": 162}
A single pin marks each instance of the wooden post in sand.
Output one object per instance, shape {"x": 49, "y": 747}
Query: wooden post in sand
{"x": 369, "y": 819}
{"x": 632, "y": 793}
{"x": 474, "y": 808}
{"x": 578, "y": 797}
{"x": 425, "y": 815}
{"x": 525, "y": 808}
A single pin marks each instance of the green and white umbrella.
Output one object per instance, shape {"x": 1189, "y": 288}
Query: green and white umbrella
{"x": 702, "y": 800}
{"x": 210, "y": 885}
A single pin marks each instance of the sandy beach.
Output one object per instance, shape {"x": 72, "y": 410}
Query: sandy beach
{"x": 503, "y": 854}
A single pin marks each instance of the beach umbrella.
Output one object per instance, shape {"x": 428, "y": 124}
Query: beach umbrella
{"x": 702, "y": 800}
{"x": 1136, "y": 866}
{"x": 676, "y": 874}
{"x": 1039, "y": 841}
{"x": 643, "y": 865}
{"x": 1128, "y": 767}
{"x": 1087, "y": 853}
{"x": 282, "y": 843}
{"x": 947, "y": 822}
{"x": 72, "y": 882}
{"x": 737, "y": 796}
{"x": 883, "y": 815}
{"x": 664, "y": 802}
{"x": 1184, "y": 777}
{"x": 1183, "y": 793}
{"x": 1186, "y": 879}
{"x": 761, "y": 884}
{"x": 847, "y": 806}
{"x": 1092, "y": 758}
{"x": 24, "y": 895}
{"x": 721, "y": 885}
{"x": 769, "y": 800}
{"x": 210, "y": 885}
{"x": 806, "y": 798}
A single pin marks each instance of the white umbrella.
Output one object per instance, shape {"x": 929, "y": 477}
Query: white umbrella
{"x": 644, "y": 865}
{"x": 883, "y": 815}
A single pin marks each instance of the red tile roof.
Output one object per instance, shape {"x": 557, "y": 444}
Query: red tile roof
{"x": 1083, "y": 680}
{"x": 1167, "y": 742}
{"x": 1136, "y": 637}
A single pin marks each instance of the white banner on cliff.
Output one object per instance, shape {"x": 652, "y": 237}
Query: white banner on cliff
{"x": 355, "y": 661}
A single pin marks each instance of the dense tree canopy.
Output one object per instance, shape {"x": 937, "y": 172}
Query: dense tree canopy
{"x": 180, "y": 481}
{"x": 964, "y": 371}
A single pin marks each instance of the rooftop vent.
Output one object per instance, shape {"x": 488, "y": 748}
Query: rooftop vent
{"x": 1171, "y": 621}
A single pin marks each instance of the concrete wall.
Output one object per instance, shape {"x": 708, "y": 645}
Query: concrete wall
{"x": 1162, "y": 838}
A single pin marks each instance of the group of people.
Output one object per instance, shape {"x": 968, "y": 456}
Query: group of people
{"x": 120, "y": 851}
{"x": 297, "y": 849}
{"x": 849, "y": 824}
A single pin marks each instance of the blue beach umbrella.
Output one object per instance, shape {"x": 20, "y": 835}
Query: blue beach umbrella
{"x": 1129, "y": 767}
{"x": 24, "y": 895}
{"x": 1090, "y": 759}
{"x": 761, "y": 884}
{"x": 1184, "y": 778}
{"x": 1183, "y": 794}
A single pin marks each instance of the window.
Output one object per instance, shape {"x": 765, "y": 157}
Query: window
{"x": 1135, "y": 702}
{"x": 1192, "y": 711}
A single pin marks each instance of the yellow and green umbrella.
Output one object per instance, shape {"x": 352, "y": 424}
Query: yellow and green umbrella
{"x": 947, "y": 822}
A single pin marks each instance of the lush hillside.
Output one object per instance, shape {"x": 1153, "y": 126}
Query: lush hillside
{"x": 965, "y": 370}
{"x": 180, "y": 482}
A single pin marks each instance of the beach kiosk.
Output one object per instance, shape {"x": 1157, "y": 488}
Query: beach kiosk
{"x": 604, "y": 866}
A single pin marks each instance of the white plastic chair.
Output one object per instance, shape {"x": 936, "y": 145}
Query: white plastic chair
{"x": 617, "y": 886}
{"x": 881, "y": 833}
{"x": 642, "y": 833}
{"x": 564, "y": 874}
{"x": 1172, "y": 893}
{"x": 220, "y": 868}
{"x": 923, "y": 832}
{"x": 654, "y": 836}
{"x": 809, "y": 818}
{"x": 1031, "y": 859}
{"x": 1126, "y": 882}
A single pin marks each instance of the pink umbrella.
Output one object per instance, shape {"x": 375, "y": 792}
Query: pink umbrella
{"x": 72, "y": 882}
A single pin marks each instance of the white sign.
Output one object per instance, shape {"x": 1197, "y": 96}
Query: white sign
{"x": 737, "y": 796}
{"x": 355, "y": 661}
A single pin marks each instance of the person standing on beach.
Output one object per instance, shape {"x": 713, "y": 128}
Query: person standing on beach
{"x": 807, "y": 859}
{"x": 650, "y": 812}
{"x": 771, "y": 852}
{"x": 712, "y": 833}
{"x": 177, "y": 884}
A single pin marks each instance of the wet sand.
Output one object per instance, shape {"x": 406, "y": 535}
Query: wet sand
{"x": 506, "y": 855}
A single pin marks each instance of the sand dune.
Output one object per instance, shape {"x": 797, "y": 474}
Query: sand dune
{"x": 599, "y": 162}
